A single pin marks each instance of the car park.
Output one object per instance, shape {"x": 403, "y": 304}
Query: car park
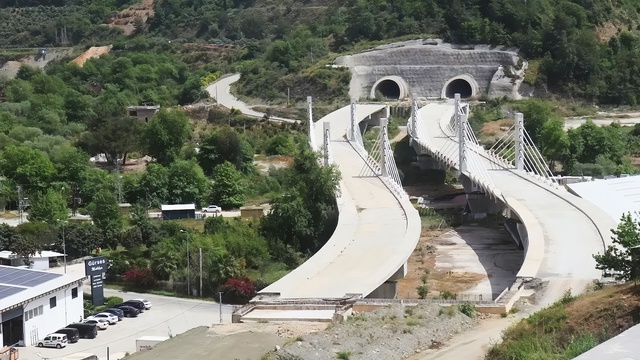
{"x": 115, "y": 311}
{"x": 54, "y": 340}
{"x": 212, "y": 209}
{"x": 102, "y": 324}
{"x": 112, "y": 319}
{"x": 147, "y": 303}
{"x": 73, "y": 335}
{"x": 129, "y": 311}
{"x": 87, "y": 331}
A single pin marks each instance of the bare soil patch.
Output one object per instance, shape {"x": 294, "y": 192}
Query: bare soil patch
{"x": 93, "y": 52}
{"x": 125, "y": 19}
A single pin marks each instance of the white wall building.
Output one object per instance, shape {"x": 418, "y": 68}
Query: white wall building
{"x": 35, "y": 303}
{"x": 39, "y": 261}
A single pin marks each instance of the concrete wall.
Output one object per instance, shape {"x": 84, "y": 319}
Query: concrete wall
{"x": 427, "y": 66}
{"x": 66, "y": 311}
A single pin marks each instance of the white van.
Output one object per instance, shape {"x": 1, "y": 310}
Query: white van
{"x": 54, "y": 340}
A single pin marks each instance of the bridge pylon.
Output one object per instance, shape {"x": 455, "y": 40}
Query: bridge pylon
{"x": 326, "y": 146}
{"x": 310, "y": 126}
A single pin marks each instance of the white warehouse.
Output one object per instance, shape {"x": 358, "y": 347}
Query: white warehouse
{"x": 35, "y": 303}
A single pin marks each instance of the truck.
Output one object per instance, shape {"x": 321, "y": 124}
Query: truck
{"x": 148, "y": 342}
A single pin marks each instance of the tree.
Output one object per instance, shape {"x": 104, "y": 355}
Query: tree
{"x": 536, "y": 113}
{"x": 69, "y": 162}
{"x": 228, "y": 187}
{"x": 154, "y": 183}
{"x": 105, "y": 212}
{"x": 618, "y": 258}
{"x": 225, "y": 145}
{"x": 32, "y": 238}
{"x": 554, "y": 141}
{"x": 186, "y": 183}
{"x": 165, "y": 134}
{"x": 82, "y": 239}
{"x": 27, "y": 167}
{"x": 94, "y": 180}
{"x": 113, "y": 136}
{"x": 49, "y": 207}
{"x": 8, "y": 235}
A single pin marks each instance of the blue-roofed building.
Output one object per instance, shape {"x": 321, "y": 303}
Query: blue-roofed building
{"x": 35, "y": 303}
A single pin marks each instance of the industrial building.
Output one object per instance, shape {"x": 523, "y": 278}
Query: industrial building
{"x": 34, "y": 303}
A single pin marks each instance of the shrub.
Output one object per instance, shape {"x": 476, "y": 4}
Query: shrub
{"x": 448, "y": 295}
{"x": 113, "y": 300}
{"x": 423, "y": 290}
{"x": 344, "y": 355}
{"x": 140, "y": 277}
{"x": 239, "y": 289}
{"x": 468, "y": 309}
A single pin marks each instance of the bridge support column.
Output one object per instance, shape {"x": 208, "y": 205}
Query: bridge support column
{"x": 310, "y": 127}
{"x": 354, "y": 122}
{"x": 414, "y": 118}
{"x": 519, "y": 142}
{"x": 326, "y": 137}
{"x": 384, "y": 139}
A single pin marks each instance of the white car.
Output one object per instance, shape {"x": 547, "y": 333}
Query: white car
{"x": 102, "y": 324}
{"x": 54, "y": 340}
{"x": 111, "y": 318}
{"x": 212, "y": 209}
{"x": 147, "y": 303}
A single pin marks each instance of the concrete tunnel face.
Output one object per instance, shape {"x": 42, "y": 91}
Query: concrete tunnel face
{"x": 390, "y": 88}
{"x": 459, "y": 86}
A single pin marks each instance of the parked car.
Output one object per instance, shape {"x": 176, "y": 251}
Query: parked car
{"x": 129, "y": 311}
{"x": 102, "y": 324}
{"x": 73, "y": 335}
{"x": 136, "y": 304}
{"x": 87, "y": 331}
{"x": 112, "y": 319}
{"x": 147, "y": 303}
{"x": 54, "y": 340}
{"x": 115, "y": 311}
{"x": 212, "y": 209}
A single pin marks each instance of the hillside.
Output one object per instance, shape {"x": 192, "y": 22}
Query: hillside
{"x": 578, "y": 49}
{"x": 571, "y": 326}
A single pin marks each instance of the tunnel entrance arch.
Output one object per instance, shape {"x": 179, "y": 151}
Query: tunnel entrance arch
{"x": 464, "y": 85}
{"x": 390, "y": 88}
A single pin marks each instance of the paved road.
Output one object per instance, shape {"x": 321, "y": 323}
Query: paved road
{"x": 169, "y": 315}
{"x": 221, "y": 91}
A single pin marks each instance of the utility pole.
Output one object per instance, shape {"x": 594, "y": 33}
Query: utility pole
{"x": 200, "y": 272}
{"x": 118, "y": 182}
{"x": 220, "y": 302}
{"x": 64, "y": 249}
{"x": 20, "y": 203}
{"x": 188, "y": 268}
{"x": 288, "y": 95}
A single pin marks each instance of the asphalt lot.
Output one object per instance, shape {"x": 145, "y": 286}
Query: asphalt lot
{"x": 168, "y": 317}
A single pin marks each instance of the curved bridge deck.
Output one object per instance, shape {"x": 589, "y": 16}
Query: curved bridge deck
{"x": 376, "y": 231}
{"x": 564, "y": 230}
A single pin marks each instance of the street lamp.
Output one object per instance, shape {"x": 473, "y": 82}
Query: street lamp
{"x": 64, "y": 245}
{"x": 188, "y": 266}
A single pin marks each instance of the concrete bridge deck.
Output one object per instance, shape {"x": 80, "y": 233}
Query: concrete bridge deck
{"x": 376, "y": 231}
{"x": 563, "y": 230}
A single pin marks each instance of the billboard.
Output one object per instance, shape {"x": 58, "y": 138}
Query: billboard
{"x": 96, "y": 268}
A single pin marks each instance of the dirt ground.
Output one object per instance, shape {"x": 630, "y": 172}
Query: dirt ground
{"x": 125, "y": 19}
{"x": 248, "y": 341}
{"x": 94, "y": 51}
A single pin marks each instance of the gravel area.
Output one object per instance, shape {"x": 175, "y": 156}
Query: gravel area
{"x": 395, "y": 332}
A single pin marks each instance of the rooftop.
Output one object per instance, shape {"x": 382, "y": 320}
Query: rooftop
{"x": 614, "y": 196}
{"x": 44, "y": 254}
{"x": 18, "y": 285}
{"x": 143, "y": 107}
{"x": 178, "y": 207}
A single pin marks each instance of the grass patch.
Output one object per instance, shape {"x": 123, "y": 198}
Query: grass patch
{"x": 412, "y": 322}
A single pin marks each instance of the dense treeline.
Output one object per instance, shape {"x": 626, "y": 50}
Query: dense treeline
{"x": 578, "y": 47}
